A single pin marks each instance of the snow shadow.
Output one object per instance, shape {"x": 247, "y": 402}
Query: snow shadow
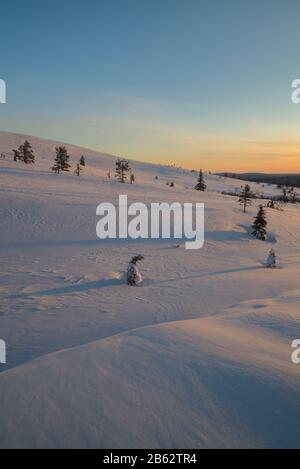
{"x": 198, "y": 275}
{"x": 237, "y": 235}
{"x": 89, "y": 242}
{"x": 75, "y": 288}
{"x": 224, "y": 235}
{"x": 271, "y": 238}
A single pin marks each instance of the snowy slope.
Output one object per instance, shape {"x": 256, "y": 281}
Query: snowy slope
{"x": 197, "y": 356}
{"x": 224, "y": 381}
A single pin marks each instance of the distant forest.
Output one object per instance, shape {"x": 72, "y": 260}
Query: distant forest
{"x": 279, "y": 179}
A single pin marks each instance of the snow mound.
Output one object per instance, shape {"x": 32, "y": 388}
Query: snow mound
{"x": 223, "y": 381}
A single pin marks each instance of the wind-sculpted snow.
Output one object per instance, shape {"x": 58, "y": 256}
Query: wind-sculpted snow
{"x": 198, "y": 355}
{"x": 223, "y": 381}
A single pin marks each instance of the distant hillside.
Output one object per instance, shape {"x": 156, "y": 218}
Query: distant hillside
{"x": 283, "y": 179}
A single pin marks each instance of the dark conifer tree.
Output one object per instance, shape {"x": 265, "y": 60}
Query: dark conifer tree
{"x": 61, "y": 160}
{"x": 200, "y": 186}
{"x": 16, "y": 155}
{"x": 27, "y": 153}
{"x": 24, "y": 153}
{"x": 78, "y": 169}
{"x": 259, "y": 225}
{"x": 82, "y": 161}
{"x": 122, "y": 168}
{"x": 56, "y": 166}
{"x": 245, "y": 197}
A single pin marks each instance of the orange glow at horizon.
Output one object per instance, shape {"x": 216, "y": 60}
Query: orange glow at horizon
{"x": 257, "y": 158}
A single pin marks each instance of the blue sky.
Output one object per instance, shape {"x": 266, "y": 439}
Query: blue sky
{"x": 195, "y": 82}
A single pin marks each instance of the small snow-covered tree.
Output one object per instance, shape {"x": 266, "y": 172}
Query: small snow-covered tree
{"x": 133, "y": 276}
{"x": 200, "y": 186}
{"x": 122, "y": 168}
{"x": 271, "y": 259}
{"x": 245, "y": 197}
{"x": 259, "y": 224}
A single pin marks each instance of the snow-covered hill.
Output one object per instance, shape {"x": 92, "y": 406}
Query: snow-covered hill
{"x": 197, "y": 356}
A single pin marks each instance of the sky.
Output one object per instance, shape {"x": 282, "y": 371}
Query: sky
{"x": 196, "y": 83}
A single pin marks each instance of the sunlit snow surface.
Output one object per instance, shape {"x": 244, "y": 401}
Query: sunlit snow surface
{"x": 198, "y": 356}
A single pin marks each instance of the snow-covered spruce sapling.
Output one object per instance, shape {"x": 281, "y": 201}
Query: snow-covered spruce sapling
{"x": 133, "y": 276}
{"x": 271, "y": 259}
{"x": 200, "y": 186}
{"x": 259, "y": 224}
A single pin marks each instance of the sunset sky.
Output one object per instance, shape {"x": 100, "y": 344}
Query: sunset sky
{"x": 192, "y": 82}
